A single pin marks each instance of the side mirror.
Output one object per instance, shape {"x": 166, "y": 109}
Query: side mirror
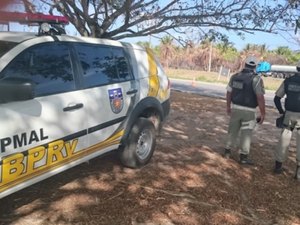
{"x": 15, "y": 89}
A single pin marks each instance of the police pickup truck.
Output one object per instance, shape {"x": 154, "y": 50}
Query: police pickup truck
{"x": 65, "y": 100}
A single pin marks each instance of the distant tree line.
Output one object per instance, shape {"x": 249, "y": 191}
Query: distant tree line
{"x": 208, "y": 55}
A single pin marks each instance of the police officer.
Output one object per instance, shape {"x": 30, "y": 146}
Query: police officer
{"x": 245, "y": 91}
{"x": 291, "y": 88}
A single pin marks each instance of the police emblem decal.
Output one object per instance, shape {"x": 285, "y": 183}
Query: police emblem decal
{"x": 116, "y": 99}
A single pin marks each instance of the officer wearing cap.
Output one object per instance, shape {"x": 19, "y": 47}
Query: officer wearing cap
{"x": 291, "y": 120}
{"x": 245, "y": 91}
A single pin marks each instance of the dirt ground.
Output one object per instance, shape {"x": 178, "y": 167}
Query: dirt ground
{"x": 187, "y": 181}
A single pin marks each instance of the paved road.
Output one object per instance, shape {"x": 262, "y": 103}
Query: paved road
{"x": 210, "y": 89}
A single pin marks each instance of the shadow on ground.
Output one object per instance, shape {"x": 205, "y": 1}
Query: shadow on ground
{"x": 187, "y": 181}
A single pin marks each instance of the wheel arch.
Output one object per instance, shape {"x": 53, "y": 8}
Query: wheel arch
{"x": 147, "y": 108}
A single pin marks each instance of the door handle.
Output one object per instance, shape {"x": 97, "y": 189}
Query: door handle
{"x": 73, "y": 107}
{"x": 133, "y": 91}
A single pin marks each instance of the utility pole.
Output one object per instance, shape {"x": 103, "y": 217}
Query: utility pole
{"x": 210, "y": 56}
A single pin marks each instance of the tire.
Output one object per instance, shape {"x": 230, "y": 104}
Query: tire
{"x": 140, "y": 145}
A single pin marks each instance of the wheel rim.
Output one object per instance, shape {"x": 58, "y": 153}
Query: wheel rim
{"x": 144, "y": 144}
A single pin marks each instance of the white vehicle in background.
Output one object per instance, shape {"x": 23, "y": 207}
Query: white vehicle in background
{"x": 277, "y": 71}
{"x": 65, "y": 100}
{"x": 282, "y": 71}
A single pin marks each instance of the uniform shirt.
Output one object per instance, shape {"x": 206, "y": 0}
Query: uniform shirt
{"x": 280, "y": 91}
{"x": 258, "y": 87}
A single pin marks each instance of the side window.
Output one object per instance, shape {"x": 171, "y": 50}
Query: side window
{"x": 98, "y": 65}
{"x": 5, "y": 46}
{"x": 122, "y": 64}
{"x": 47, "y": 65}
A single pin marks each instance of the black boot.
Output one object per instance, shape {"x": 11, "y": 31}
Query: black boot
{"x": 244, "y": 160}
{"x": 227, "y": 153}
{"x": 297, "y": 175}
{"x": 278, "y": 167}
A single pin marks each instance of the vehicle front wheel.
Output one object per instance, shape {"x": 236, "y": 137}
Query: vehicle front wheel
{"x": 140, "y": 145}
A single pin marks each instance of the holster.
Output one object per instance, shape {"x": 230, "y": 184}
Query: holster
{"x": 279, "y": 121}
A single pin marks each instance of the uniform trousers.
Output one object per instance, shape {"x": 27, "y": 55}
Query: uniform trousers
{"x": 291, "y": 122}
{"x": 242, "y": 122}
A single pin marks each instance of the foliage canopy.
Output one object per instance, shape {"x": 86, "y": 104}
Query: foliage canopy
{"x": 118, "y": 19}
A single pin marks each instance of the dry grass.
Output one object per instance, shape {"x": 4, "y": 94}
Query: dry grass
{"x": 213, "y": 77}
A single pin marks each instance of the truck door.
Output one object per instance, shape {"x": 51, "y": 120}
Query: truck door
{"x": 42, "y": 135}
{"x": 109, "y": 92}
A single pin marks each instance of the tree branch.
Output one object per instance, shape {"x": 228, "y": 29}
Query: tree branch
{"x": 132, "y": 18}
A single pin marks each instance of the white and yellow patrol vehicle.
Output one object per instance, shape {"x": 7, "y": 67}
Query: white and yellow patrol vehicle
{"x": 65, "y": 100}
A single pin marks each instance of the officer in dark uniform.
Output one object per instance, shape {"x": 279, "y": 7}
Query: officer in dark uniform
{"x": 245, "y": 91}
{"x": 291, "y": 88}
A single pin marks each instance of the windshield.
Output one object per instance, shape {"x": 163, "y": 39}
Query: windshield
{"x": 5, "y": 46}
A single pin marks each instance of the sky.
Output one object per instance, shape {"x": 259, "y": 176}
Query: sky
{"x": 272, "y": 41}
